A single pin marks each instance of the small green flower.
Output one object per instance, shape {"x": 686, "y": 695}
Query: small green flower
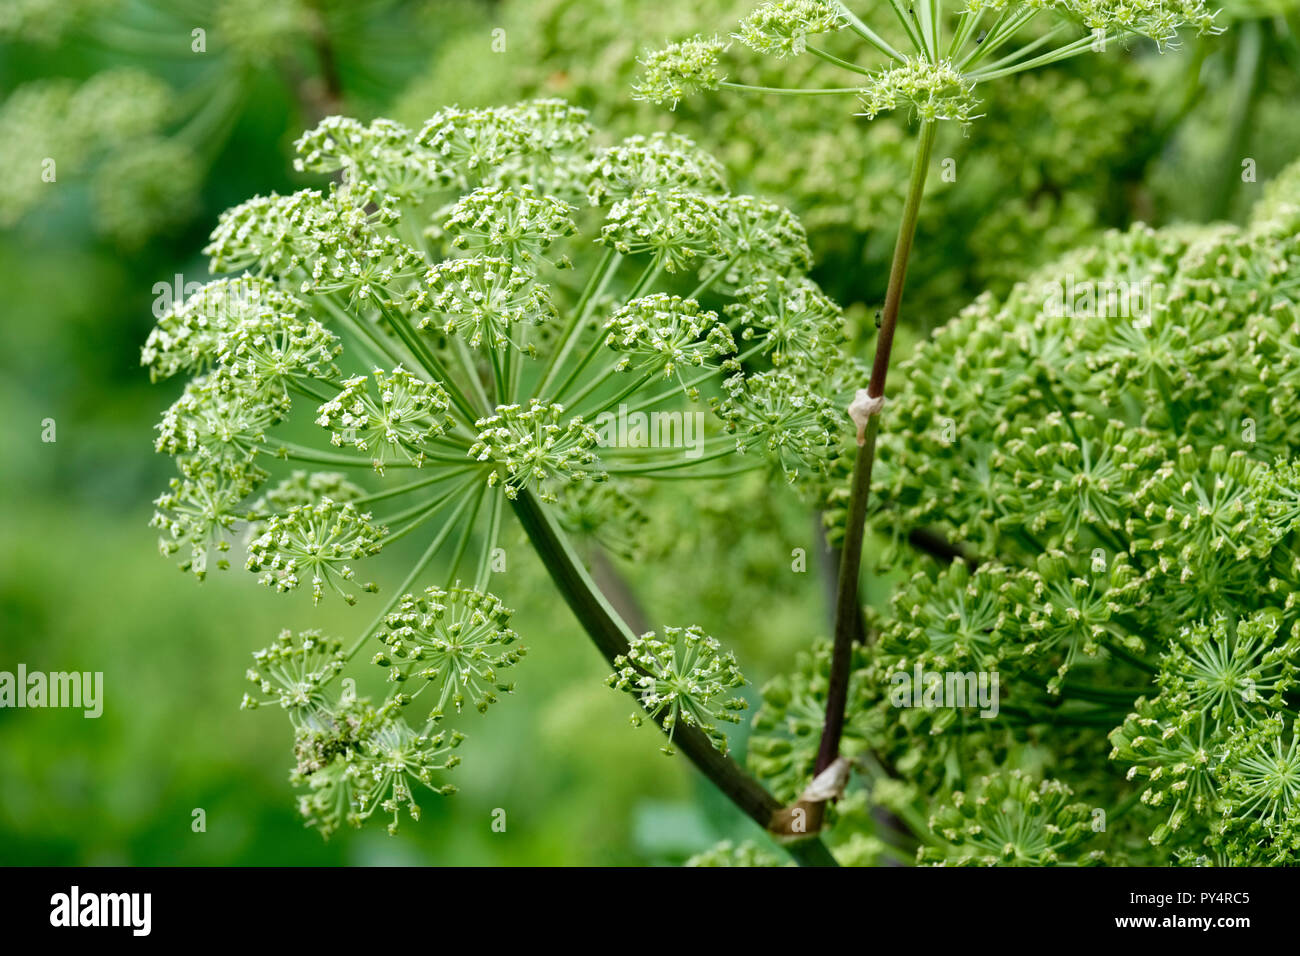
{"x": 396, "y": 422}
{"x": 529, "y": 446}
{"x": 680, "y": 70}
{"x": 316, "y": 542}
{"x": 663, "y": 334}
{"x": 293, "y": 673}
{"x": 681, "y": 677}
{"x": 300, "y": 488}
{"x": 747, "y": 853}
{"x": 190, "y": 335}
{"x": 215, "y": 425}
{"x": 783, "y": 27}
{"x": 266, "y": 352}
{"x": 1009, "y": 821}
{"x": 455, "y": 640}
{"x": 760, "y": 238}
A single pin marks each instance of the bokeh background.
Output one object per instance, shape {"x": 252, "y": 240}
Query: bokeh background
{"x": 153, "y": 137}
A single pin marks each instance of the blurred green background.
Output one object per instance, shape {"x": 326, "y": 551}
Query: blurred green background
{"x": 143, "y": 169}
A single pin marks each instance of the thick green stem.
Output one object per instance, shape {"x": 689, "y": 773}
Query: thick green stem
{"x": 611, "y": 635}
{"x": 847, "y": 606}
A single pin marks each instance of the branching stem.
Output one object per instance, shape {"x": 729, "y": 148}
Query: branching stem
{"x": 847, "y": 605}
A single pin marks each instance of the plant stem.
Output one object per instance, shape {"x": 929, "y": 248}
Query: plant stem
{"x": 847, "y": 606}
{"x": 611, "y": 636}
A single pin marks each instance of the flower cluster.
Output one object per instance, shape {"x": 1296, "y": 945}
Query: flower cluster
{"x": 404, "y": 414}
{"x": 456, "y": 313}
{"x": 783, "y": 27}
{"x": 454, "y": 639}
{"x": 683, "y": 677}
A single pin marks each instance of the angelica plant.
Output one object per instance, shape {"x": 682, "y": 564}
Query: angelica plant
{"x": 935, "y": 60}
{"x": 1121, "y": 491}
{"x": 459, "y": 319}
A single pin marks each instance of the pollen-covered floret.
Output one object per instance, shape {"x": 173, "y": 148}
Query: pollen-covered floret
{"x": 293, "y": 673}
{"x": 679, "y": 229}
{"x": 317, "y": 544}
{"x": 481, "y": 299}
{"x": 782, "y": 27}
{"x": 685, "y": 677}
{"x": 935, "y": 91}
{"x": 454, "y": 640}
{"x": 680, "y": 70}
{"x": 529, "y": 446}
{"x": 662, "y": 334}
{"x": 394, "y": 422}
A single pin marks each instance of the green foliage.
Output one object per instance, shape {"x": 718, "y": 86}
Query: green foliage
{"x": 1121, "y": 472}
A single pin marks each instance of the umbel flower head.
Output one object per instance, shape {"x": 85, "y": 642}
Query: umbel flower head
{"x": 315, "y": 543}
{"x": 776, "y": 414}
{"x": 381, "y": 154}
{"x": 682, "y": 677}
{"x": 663, "y": 334}
{"x": 434, "y": 266}
{"x": 985, "y": 40}
{"x": 393, "y": 759}
{"x": 396, "y": 422}
{"x": 200, "y": 512}
{"x": 192, "y": 334}
{"x": 1233, "y": 672}
{"x": 661, "y": 161}
{"x": 1011, "y": 820}
{"x": 783, "y": 27}
{"x": 481, "y": 299}
{"x": 293, "y": 674}
{"x": 935, "y": 91}
{"x": 530, "y": 447}
{"x": 678, "y": 228}
{"x": 455, "y": 640}
{"x": 681, "y": 69}
{"x": 793, "y": 319}
{"x": 509, "y": 222}
{"x": 1260, "y": 776}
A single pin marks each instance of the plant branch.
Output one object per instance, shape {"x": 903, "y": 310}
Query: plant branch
{"x": 848, "y": 608}
{"x": 611, "y": 635}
